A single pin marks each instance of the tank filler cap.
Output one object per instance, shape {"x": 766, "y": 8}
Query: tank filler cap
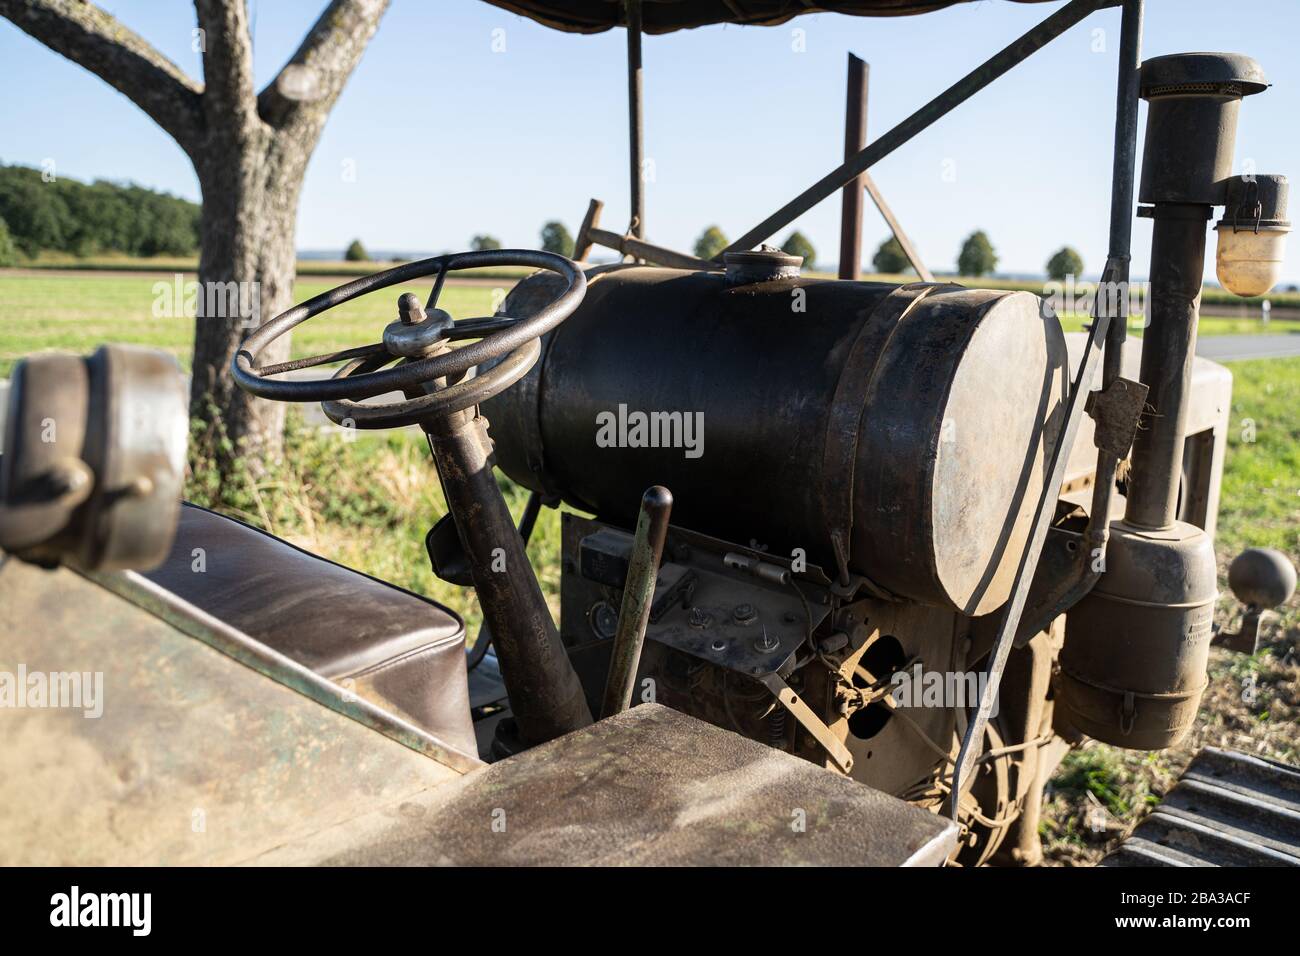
{"x": 1190, "y": 74}
{"x": 763, "y": 264}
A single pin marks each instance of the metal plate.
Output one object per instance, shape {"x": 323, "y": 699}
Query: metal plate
{"x": 650, "y": 786}
{"x": 195, "y": 758}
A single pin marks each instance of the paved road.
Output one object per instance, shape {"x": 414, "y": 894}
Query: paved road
{"x": 1232, "y": 348}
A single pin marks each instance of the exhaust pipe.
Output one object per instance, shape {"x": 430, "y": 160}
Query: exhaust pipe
{"x": 1133, "y": 666}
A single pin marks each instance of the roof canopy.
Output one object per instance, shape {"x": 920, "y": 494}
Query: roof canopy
{"x": 665, "y": 16}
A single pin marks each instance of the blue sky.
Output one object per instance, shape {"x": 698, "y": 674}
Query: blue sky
{"x": 448, "y": 138}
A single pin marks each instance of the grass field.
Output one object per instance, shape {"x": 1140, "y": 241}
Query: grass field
{"x": 367, "y": 503}
{"x": 59, "y": 311}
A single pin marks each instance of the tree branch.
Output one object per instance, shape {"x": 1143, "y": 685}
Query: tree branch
{"x": 305, "y": 89}
{"x": 229, "y": 96}
{"x": 95, "y": 40}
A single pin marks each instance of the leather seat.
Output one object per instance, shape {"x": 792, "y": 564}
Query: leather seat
{"x": 401, "y": 652}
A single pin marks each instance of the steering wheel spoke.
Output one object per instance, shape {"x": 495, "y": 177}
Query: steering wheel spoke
{"x": 479, "y": 327}
{"x": 329, "y": 358}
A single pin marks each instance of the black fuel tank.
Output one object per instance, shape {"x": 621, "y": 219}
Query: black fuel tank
{"x": 901, "y": 432}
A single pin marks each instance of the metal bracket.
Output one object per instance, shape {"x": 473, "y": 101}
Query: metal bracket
{"x": 792, "y": 702}
{"x": 1116, "y": 410}
{"x": 1245, "y": 641}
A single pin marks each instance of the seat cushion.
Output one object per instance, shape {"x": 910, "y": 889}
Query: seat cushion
{"x": 398, "y": 650}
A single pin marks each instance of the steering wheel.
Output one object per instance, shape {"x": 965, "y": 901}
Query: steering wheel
{"x": 418, "y": 341}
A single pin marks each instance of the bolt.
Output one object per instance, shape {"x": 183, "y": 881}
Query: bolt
{"x": 409, "y": 309}
{"x": 766, "y": 643}
{"x": 744, "y": 614}
{"x": 699, "y": 618}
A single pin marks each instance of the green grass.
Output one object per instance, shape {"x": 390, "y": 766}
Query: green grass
{"x": 77, "y": 313}
{"x": 1261, "y": 480}
{"x": 1209, "y": 325}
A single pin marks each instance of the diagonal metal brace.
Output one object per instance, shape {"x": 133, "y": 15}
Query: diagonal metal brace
{"x": 792, "y": 702}
{"x": 1051, "y": 491}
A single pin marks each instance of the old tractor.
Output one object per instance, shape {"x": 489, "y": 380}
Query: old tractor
{"x": 847, "y": 566}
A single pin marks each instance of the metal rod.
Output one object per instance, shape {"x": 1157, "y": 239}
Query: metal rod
{"x": 896, "y": 228}
{"x": 855, "y": 138}
{"x": 1046, "y": 508}
{"x": 638, "y": 596}
{"x": 1118, "y": 261}
{"x": 1122, "y": 174}
{"x": 1112, "y": 295}
{"x": 640, "y": 249}
{"x": 545, "y": 695}
{"x": 945, "y": 102}
{"x": 1168, "y": 351}
{"x": 1121, "y": 233}
{"x": 583, "y": 243}
{"x": 635, "y": 119}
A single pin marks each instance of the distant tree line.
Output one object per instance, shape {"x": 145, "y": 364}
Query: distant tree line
{"x": 977, "y": 258}
{"x": 82, "y": 219}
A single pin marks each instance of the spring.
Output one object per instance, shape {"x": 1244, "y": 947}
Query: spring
{"x": 776, "y": 728}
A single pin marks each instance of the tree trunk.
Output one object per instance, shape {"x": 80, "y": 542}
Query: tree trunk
{"x": 246, "y": 273}
{"x": 250, "y": 151}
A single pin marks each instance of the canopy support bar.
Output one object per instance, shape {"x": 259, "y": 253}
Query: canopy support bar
{"x": 635, "y": 127}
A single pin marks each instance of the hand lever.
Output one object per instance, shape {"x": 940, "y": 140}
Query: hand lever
{"x": 638, "y": 595}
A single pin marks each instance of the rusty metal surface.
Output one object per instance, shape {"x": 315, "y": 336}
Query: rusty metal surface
{"x": 847, "y": 408}
{"x": 1228, "y": 809}
{"x": 648, "y": 787}
{"x": 1168, "y": 353}
{"x": 1133, "y": 666}
{"x": 545, "y": 693}
{"x": 732, "y": 619}
{"x": 196, "y": 758}
{"x": 1115, "y": 410}
{"x": 1208, "y": 413}
{"x": 855, "y": 137}
{"x": 629, "y": 245}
